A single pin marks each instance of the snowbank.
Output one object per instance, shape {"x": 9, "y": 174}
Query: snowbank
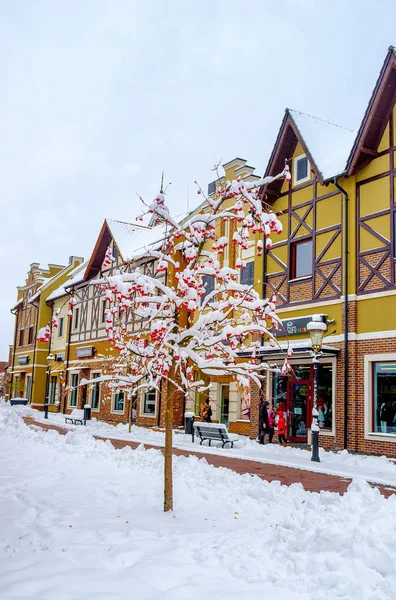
{"x": 378, "y": 469}
{"x": 80, "y": 519}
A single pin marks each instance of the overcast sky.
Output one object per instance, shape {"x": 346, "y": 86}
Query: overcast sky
{"x": 99, "y": 96}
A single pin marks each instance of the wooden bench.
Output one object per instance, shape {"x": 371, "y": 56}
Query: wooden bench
{"x": 76, "y": 417}
{"x": 213, "y": 431}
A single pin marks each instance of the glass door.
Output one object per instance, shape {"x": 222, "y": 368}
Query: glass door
{"x": 297, "y": 409}
{"x": 225, "y": 404}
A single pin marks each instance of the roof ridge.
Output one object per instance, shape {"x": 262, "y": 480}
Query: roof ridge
{"x": 127, "y": 223}
{"x": 300, "y": 112}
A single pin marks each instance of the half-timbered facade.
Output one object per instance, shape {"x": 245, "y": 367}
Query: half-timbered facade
{"x": 120, "y": 247}
{"x": 336, "y": 257}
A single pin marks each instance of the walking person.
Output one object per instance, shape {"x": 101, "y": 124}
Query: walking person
{"x": 281, "y": 428}
{"x": 263, "y": 421}
{"x": 206, "y": 412}
{"x": 271, "y": 422}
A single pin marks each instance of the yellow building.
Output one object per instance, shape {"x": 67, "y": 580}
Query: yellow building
{"x": 28, "y": 370}
{"x": 336, "y": 258}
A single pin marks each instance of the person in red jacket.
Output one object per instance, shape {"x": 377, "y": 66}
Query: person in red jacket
{"x": 281, "y": 428}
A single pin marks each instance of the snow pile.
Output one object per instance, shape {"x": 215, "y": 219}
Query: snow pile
{"x": 378, "y": 469}
{"x": 82, "y": 520}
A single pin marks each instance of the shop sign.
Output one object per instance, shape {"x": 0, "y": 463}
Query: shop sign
{"x": 23, "y": 360}
{"x": 295, "y": 326}
{"x": 85, "y": 351}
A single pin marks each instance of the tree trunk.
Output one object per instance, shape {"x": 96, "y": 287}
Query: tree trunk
{"x": 168, "y": 477}
{"x": 130, "y": 413}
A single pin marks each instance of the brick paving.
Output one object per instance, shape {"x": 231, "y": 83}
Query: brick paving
{"x": 312, "y": 482}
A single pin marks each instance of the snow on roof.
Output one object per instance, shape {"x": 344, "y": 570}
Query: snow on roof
{"x": 133, "y": 240}
{"x": 20, "y": 301}
{"x": 328, "y": 144}
{"x": 76, "y": 276}
{"x": 35, "y": 296}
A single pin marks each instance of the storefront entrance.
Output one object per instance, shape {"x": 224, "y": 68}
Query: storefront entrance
{"x": 294, "y": 395}
{"x": 225, "y": 404}
{"x": 298, "y": 408}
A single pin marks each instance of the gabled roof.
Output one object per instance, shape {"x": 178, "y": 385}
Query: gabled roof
{"x": 326, "y": 145}
{"x": 376, "y": 116}
{"x": 334, "y": 150}
{"x": 132, "y": 242}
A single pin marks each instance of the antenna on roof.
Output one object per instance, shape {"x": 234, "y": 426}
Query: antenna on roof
{"x": 162, "y": 183}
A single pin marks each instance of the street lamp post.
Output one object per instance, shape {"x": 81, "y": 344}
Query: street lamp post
{"x": 50, "y": 360}
{"x": 316, "y": 329}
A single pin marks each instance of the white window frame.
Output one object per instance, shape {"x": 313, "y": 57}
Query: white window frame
{"x": 61, "y": 332}
{"x": 91, "y": 391}
{"x": 304, "y": 179}
{"x": 308, "y": 361}
{"x": 369, "y": 434}
{"x": 52, "y": 386}
{"x": 69, "y": 395}
{"x": 148, "y": 415}
{"x": 113, "y": 397}
{"x": 28, "y": 391}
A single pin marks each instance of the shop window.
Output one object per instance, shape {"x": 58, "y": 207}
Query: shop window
{"x": 149, "y": 402}
{"x": 384, "y": 397}
{"x": 245, "y": 405}
{"x": 60, "y": 327}
{"x": 119, "y": 402}
{"x": 208, "y": 281}
{"x": 325, "y": 396}
{"x": 301, "y": 259}
{"x": 95, "y": 394}
{"x": 301, "y": 169}
{"x": 74, "y": 391}
{"x": 247, "y": 275}
{"x": 292, "y": 391}
{"x": 52, "y": 390}
{"x": 28, "y": 387}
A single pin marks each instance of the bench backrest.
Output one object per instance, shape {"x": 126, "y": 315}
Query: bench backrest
{"x": 213, "y": 431}
{"x": 77, "y": 413}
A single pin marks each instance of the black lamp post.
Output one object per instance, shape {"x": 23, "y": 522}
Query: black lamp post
{"x": 50, "y": 360}
{"x": 316, "y": 329}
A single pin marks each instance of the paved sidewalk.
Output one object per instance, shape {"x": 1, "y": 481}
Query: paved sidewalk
{"x": 312, "y": 482}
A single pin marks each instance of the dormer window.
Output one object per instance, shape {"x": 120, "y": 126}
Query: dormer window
{"x": 301, "y": 169}
{"x": 115, "y": 252}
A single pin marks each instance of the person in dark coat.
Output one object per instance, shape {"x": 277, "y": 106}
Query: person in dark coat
{"x": 263, "y": 421}
{"x": 206, "y": 412}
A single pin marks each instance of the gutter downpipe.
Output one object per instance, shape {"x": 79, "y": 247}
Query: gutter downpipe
{"x": 346, "y": 320}
{"x": 66, "y": 382}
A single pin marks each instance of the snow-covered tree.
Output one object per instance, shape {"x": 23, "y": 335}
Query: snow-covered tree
{"x": 189, "y": 329}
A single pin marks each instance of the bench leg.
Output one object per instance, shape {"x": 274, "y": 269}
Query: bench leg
{"x": 210, "y": 442}
{"x": 201, "y": 442}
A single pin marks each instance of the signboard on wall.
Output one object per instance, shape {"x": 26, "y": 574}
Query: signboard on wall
{"x": 85, "y": 351}
{"x": 23, "y": 360}
{"x": 295, "y": 326}
{"x": 60, "y": 356}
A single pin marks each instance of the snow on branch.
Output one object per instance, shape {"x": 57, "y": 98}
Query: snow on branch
{"x": 186, "y": 326}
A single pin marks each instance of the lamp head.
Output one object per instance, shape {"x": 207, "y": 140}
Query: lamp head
{"x": 317, "y": 329}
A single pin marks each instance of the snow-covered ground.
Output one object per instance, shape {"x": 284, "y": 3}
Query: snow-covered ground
{"x": 81, "y": 520}
{"x": 379, "y": 469}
